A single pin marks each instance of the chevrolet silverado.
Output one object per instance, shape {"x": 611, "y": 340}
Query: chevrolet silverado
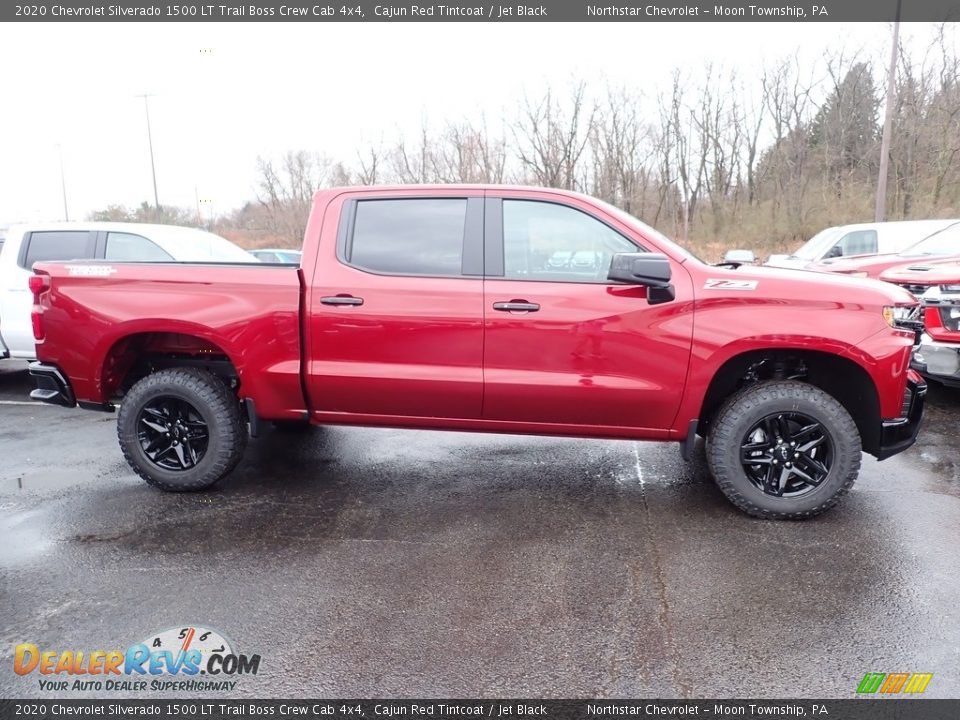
{"x": 492, "y": 309}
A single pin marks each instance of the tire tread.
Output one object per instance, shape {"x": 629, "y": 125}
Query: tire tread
{"x": 772, "y": 391}
{"x": 221, "y": 402}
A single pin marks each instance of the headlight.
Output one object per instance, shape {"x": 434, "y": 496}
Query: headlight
{"x": 950, "y": 288}
{"x": 896, "y": 316}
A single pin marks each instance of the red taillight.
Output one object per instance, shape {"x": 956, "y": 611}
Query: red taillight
{"x": 37, "y": 284}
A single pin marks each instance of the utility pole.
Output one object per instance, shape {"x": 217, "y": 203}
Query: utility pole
{"x": 153, "y": 168}
{"x": 880, "y": 209}
{"x": 63, "y": 184}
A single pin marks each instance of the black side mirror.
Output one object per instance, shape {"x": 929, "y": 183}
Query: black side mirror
{"x": 651, "y": 269}
{"x": 834, "y": 252}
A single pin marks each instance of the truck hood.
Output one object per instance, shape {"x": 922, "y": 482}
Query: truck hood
{"x": 873, "y": 265}
{"x": 768, "y": 281}
{"x": 786, "y": 261}
{"x": 944, "y": 272}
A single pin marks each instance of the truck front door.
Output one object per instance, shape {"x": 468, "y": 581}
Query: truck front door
{"x": 565, "y": 346}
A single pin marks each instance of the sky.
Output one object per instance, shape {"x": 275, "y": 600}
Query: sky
{"x": 222, "y": 94}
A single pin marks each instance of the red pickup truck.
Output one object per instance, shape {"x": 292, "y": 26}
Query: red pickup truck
{"x": 493, "y": 309}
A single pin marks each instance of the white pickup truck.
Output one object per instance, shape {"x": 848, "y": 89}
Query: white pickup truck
{"x": 25, "y": 244}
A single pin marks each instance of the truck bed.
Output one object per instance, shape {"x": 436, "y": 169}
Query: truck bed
{"x": 104, "y": 311}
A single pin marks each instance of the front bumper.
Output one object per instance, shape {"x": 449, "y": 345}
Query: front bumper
{"x": 937, "y": 360}
{"x": 899, "y": 434}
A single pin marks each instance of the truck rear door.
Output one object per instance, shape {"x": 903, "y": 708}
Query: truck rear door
{"x": 395, "y": 307}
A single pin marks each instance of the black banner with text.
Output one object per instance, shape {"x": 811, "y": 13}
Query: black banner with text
{"x": 852, "y": 709}
{"x": 479, "y": 11}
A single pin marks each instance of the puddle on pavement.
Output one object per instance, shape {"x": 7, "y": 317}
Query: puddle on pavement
{"x": 50, "y": 479}
{"x": 23, "y": 536}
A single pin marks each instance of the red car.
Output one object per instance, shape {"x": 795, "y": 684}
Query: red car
{"x": 943, "y": 245}
{"x": 491, "y": 309}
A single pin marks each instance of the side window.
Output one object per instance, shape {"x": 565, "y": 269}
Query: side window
{"x": 545, "y": 241}
{"x": 858, "y": 242}
{"x": 125, "y": 246}
{"x": 409, "y": 237}
{"x": 58, "y": 245}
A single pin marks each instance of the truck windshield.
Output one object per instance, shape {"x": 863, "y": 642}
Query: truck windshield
{"x": 944, "y": 242}
{"x": 817, "y": 246}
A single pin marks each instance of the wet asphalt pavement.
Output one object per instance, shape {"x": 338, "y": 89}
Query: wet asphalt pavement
{"x": 362, "y": 562}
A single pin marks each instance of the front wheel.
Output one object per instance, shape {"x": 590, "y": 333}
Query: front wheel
{"x": 180, "y": 429}
{"x": 784, "y": 450}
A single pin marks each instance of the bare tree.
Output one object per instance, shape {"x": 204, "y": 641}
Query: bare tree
{"x": 286, "y": 188}
{"x": 551, "y": 137}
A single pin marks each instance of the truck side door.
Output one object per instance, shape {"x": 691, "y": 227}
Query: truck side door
{"x": 395, "y": 308}
{"x": 565, "y": 346}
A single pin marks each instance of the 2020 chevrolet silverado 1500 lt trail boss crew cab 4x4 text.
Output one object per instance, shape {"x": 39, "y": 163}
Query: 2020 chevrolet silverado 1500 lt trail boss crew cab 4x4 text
{"x": 495, "y": 309}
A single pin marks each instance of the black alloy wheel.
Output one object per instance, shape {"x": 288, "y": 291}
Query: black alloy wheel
{"x": 172, "y": 433}
{"x": 787, "y": 454}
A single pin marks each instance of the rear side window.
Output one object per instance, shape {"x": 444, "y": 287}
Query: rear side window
{"x": 126, "y": 246}
{"x": 409, "y": 237}
{"x": 58, "y": 245}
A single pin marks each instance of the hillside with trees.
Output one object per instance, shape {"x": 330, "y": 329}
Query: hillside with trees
{"x": 715, "y": 159}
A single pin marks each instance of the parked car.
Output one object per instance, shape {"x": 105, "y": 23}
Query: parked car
{"x": 938, "y": 356}
{"x": 280, "y": 256}
{"x": 437, "y": 307}
{"x": 860, "y": 239}
{"x": 29, "y": 243}
{"x": 942, "y": 245}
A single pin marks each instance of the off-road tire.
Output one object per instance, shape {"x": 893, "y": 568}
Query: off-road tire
{"x": 746, "y": 407}
{"x": 219, "y": 408}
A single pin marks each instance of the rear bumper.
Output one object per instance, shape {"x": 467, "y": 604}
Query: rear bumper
{"x": 52, "y": 385}
{"x": 938, "y": 360}
{"x": 900, "y": 433}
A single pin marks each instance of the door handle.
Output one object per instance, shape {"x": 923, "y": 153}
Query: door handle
{"x": 516, "y": 306}
{"x": 341, "y": 300}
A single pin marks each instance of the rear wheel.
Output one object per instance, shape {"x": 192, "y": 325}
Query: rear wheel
{"x": 784, "y": 450}
{"x": 181, "y": 429}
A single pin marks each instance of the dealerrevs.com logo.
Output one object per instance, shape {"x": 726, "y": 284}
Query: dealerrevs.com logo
{"x": 182, "y": 659}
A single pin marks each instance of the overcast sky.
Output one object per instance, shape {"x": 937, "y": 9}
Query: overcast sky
{"x": 225, "y": 93}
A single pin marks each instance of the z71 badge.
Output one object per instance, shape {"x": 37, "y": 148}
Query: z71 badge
{"x": 715, "y": 284}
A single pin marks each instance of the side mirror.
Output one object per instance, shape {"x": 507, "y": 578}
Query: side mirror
{"x": 650, "y": 269}
{"x": 834, "y": 252}
{"x": 739, "y": 257}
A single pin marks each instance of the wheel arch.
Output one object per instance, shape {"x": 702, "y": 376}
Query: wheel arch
{"x": 842, "y": 378}
{"x": 136, "y": 354}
